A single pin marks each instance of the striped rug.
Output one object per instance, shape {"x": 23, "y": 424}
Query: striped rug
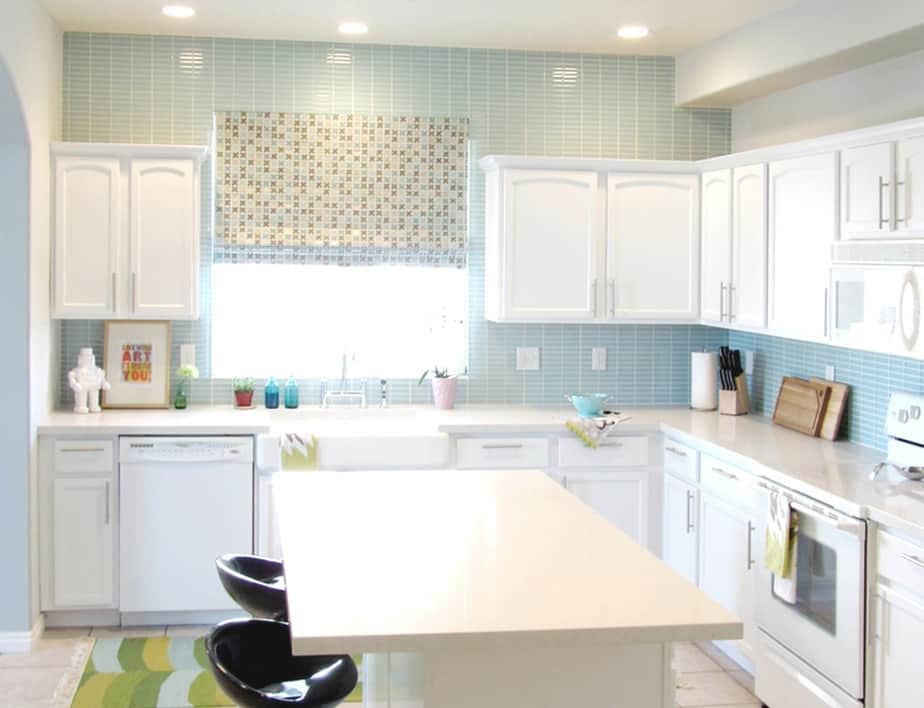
{"x": 153, "y": 672}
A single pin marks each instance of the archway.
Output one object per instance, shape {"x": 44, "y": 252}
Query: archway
{"x": 15, "y": 596}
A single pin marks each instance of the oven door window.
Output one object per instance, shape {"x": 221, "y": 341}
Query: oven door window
{"x": 816, "y": 583}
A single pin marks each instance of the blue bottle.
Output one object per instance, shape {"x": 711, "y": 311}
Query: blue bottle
{"x": 271, "y": 393}
{"x": 291, "y": 393}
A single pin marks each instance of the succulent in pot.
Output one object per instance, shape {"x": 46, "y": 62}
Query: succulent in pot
{"x": 243, "y": 392}
{"x": 443, "y": 385}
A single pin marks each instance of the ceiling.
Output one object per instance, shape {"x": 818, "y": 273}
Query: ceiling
{"x": 557, "y": 25}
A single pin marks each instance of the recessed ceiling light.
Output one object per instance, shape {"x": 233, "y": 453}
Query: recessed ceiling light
{"x": 179, "y": 12}
{"x": 353, "y": 28}
{"x": 632, "y": 32}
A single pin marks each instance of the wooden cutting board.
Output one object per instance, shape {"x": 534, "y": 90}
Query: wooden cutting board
{"x": 834, "y": 413}
{"x": 800, "y": 405}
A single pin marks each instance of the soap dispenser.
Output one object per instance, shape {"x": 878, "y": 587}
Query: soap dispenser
{"x": 291, "y": 393}
{"x": 271, "y": 393}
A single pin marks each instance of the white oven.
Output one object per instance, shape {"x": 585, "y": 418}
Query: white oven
{"x": 823, "y": 630}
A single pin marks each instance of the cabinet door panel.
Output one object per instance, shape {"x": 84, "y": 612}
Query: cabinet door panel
{"x": 87, "y": 230}
{"x": 717, "y": 244}
{"x": 748, "y": 297}
{"x": 164, "y": 239}
{"x": 83, "y": 542}
{"x": 909, "y": 208}
{"x": 897, "y": 625}
{"x": 551, "y": 243}
{"x": 653, "y": 246}
{"x": 802, "y": 223}
{"x": 619, "y": 496}
{"x": 866, "y": 189}
{"x": 681, "y": 527}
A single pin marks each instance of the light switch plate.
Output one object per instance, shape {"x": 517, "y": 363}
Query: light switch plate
{"x": 749, "y": 363}
{"x": 598, "y": 359}
{"x": 187, "y": 354}
{"x": 527, "y": 358}
{"x": 830, "y": 373}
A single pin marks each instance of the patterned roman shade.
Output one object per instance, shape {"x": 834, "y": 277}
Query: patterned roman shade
{"x": 340, "y": 189}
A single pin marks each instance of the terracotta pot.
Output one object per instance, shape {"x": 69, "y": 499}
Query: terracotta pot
{"x": 243, "y": 399}
{"x": 444, "y": 392}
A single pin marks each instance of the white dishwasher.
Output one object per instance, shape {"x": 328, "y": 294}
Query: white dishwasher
{"x": 183, "y": 501}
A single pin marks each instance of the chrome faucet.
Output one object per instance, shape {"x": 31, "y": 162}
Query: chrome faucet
{"x": 344, "y": 394}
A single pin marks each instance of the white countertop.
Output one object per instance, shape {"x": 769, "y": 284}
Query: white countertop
{"x": 835, "y": 473}
{"x": 498, "y": 558}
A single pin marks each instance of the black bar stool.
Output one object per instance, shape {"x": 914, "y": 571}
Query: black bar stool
{"x": 253, "y": 664}
{"x": 257, "y": 584}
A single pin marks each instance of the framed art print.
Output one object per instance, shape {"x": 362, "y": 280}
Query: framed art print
{"x": 136, "y": 356}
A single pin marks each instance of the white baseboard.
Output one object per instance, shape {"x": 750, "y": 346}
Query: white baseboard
{"x": 21, "y": 642}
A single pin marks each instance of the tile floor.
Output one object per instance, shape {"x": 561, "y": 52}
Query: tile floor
{"x": 706, "y": 678}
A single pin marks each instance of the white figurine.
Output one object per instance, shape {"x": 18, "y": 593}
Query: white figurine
{"x": 86, "y": 381}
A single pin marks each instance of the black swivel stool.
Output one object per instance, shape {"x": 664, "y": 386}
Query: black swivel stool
{"x": 257, "y": 584}
{"x": 253, "y": 664}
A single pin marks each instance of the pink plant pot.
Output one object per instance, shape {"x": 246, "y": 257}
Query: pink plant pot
{"x": 444, "y": 393}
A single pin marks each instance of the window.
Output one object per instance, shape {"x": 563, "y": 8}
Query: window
{"x": 394, "y": 321}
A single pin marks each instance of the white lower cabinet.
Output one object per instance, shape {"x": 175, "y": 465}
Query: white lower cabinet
{"x": 681, "y": 526}
{"x": 78, "y": 525}
{"x": 620, "y": 496}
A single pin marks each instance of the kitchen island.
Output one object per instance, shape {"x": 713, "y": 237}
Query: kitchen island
{"x": 511, "y": 591}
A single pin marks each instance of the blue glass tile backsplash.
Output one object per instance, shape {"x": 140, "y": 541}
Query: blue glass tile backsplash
{"x": 144, "y": 89}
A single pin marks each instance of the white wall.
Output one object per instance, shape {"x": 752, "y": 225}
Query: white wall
{"x": 30, "y": 59}
{"x": 880, "y": 93}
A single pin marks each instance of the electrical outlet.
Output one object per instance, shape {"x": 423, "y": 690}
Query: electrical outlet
{"x": 598, "y": 358}
{"x": 749, "y": 362}
{"x": 830, "y": 373}
{"x": 527, "y": 358}
{"x": 187, "y": 354}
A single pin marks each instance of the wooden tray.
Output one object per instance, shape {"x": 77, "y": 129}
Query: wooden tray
{"x": 801, "y": 404}
{"x": 834, "y": 413}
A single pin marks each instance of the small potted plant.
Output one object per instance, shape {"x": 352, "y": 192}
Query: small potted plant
{"x": 186, "y": 373}
{"x": 444, "y": 387}
{"x": 243, "y": 392}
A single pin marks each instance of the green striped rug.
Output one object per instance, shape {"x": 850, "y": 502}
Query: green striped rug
{"x": 153, "y": 672}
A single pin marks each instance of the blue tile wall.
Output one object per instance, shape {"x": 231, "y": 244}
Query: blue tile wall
{"x": 145, "y": 89}
{"x": 871, "y": 378}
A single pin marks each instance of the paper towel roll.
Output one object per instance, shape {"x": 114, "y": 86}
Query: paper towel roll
{"x": 704, "y": 384}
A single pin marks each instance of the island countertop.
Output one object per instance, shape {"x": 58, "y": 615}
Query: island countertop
{"x": 473, "y": 559}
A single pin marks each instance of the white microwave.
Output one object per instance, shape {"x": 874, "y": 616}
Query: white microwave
{"x": 877, "y": 307}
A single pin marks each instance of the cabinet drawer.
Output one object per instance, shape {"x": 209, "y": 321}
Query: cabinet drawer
{"x": 900, "y": 560}
{"x": 502, "y": 453}
{"x": 619, "y": 451}
{"x": 83, "y": 456}
{"x": 680, "y": 460}
{"x": 729, "y": 483}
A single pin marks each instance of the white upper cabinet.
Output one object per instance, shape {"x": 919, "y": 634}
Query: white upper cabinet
{"x": 652, "y": 247}
{"x": 866, "y": 191}
{"x": 126, "y": 231}
{"x": 802, "y": 226}
{"x": 163, "y": 240}
{"x": 909, "y": 187}
{"x": 87, "y": 227}
{"x": 543, "y": 246}
{"x": 747, "y": 294}
{"x": 717, "y": 244}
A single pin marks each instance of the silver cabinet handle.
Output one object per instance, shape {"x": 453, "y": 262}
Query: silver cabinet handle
{"x": 107, "y": 502}
{"x": 882, "y": 185}
{"x": 674, "y": 450}
{"x": 690, "y": 497}
{"x": 731, "y": 302}
{"x": 722, "y": 300}
{"x": 502, "y": 446}
{"x": 750, "y": 549}
{"x": 564, "y": 481}
{"x": 611, "y": 443}
{"x": 593, "y": 295}
{"x": 612, "y": 298}
{"x": 900, "y": 220}
{"x": 82, "y": 449}
{"x": 725, "y": 473}
{"x": 914, "y": 560}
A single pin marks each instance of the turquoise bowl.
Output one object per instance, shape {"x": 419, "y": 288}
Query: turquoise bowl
{"x": 588, "y": 405}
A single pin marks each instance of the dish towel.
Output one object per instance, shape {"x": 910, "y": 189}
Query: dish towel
{"x": 299, "y": 452}
{"x": 593, "y": 431}
{"x": 781, "y": 546}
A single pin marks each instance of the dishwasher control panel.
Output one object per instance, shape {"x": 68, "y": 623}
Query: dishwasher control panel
{"x": 186, "y": 449}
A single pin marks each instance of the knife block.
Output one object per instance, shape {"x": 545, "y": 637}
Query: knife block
{"x": 735, "y": 402}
